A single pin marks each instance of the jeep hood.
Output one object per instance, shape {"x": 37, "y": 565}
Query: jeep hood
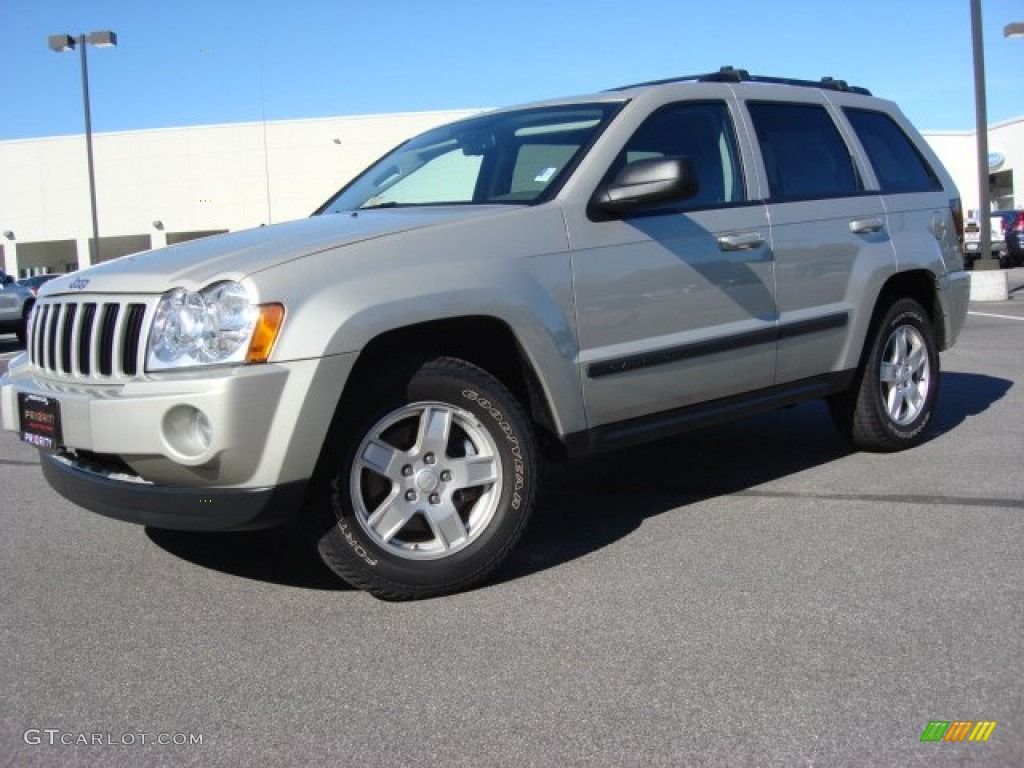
{"x": 235, "y": 255}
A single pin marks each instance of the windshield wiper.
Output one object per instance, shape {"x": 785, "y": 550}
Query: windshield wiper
{"x": 382, "y": 204}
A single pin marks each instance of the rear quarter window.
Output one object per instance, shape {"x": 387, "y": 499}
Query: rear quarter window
{"x": 898, "y": 164}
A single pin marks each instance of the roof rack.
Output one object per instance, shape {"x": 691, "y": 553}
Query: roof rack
{"x": 729, "y": 74}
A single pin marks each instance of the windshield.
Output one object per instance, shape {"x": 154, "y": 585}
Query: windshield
{"x": 506, "y": 157}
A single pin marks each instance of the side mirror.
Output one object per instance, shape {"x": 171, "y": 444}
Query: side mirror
{"x": 648, "y": 182}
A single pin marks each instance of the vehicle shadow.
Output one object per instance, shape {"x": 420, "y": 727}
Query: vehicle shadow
{"x": 259, "y": 555}
{"x": 591, "y": 503}
{"x": 966, "y": 394}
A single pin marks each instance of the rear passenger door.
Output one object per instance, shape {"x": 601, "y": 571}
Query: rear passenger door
{"x": 916, "y": 203}
{"x": 829, "y": 235}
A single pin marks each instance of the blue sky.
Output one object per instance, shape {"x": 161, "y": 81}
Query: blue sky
{"x": 184, "y": 62}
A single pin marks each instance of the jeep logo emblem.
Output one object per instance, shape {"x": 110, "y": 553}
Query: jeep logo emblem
{"x": 78, "y": 284}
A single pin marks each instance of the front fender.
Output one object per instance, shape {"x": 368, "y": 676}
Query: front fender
{"x": 513, "y": 267}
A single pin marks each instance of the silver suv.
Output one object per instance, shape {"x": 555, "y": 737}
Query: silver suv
{"x": 532, "y": 283}
{"x": 15, "y": 304}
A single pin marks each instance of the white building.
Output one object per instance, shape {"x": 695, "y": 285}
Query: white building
{"x": 159, "y": 187}
{"x": 958, "y": 153}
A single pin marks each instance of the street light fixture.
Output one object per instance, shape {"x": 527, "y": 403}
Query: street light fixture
{"x": 60, "y": 43}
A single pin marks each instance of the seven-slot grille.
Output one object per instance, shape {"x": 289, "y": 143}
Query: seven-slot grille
{"x": 90, "y": 339}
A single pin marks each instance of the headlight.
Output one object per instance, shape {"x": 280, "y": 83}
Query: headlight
{"x": 216, "y": 325}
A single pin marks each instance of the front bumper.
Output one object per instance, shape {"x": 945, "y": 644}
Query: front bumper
{"x": 181, "y": 509}
{"x": 126, "y": 451}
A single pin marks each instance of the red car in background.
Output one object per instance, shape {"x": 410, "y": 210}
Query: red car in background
{"x": 1013, "y": 235}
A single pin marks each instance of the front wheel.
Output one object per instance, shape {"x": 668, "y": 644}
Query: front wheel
{"x": 429, "y": 484}
{"x": 890, "y": 404}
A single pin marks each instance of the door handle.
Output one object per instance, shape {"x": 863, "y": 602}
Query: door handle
{"x": 743, "y": 241}
{"x": 866, "y": 226}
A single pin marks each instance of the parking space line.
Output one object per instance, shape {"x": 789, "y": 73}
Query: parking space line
{"x": 1001, "y": 317}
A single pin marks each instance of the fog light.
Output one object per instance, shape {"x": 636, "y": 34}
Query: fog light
{"x": 202, "y": 428}
{"x": 188, "y": 431}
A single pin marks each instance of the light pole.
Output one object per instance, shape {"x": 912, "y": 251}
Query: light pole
{"x": 985, "y": 260}
{"x": 59, "y": 43}
{"x": 1016, "y": 29}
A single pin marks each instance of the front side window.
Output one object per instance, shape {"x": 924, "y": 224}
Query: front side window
{"x": 518, "y": 156}
{"x": 700, "y": 131}
{"x": 804, "y": 155}
{"x": 897, "y": 162}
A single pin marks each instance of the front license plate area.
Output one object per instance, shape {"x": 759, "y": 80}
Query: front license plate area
{"x": 40, "y": 421}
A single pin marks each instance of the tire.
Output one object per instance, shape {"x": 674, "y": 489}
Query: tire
{"x": 890, "y": 404}
{"x": 427, "y": 481}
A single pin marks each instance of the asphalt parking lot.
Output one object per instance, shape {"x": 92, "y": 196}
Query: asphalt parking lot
{"x": 752, "y": 595}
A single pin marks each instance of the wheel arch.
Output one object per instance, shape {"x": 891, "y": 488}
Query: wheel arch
{"x": 921, "y": 286}
{"x": 482, "y": 340}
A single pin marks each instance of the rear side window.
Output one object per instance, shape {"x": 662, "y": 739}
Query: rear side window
{"x": 804, "y": 155}
{"x": 897, "y": 162}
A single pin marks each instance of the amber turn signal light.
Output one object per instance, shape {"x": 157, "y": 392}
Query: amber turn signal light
{"x": 265, "y": 334}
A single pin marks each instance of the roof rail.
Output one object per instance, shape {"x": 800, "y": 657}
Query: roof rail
{"x": 730, "y": 74}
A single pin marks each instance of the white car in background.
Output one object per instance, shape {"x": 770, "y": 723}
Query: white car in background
{"x": 972, "y": 240}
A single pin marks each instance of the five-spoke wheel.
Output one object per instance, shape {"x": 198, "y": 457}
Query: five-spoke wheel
{"x": 427, "y": 481}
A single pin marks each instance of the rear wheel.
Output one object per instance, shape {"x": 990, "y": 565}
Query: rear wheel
{"x": 890, "y": 404}
{"x": 425, "y": 489}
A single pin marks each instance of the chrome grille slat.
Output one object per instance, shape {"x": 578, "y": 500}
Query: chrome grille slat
{"x": 66, "y": 327}
{"x": 108, "y": 331}
{"x": 36, "y": 339}
{"x": 88, "y": 339}
{"x": 87, "y": 350}
{"x": 75, "y": 341}
{"x": 50, "y": 354}
{"x": 132, "y": 339}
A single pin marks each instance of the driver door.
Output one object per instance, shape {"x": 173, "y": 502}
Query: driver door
{"x": 676, "y": 304}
